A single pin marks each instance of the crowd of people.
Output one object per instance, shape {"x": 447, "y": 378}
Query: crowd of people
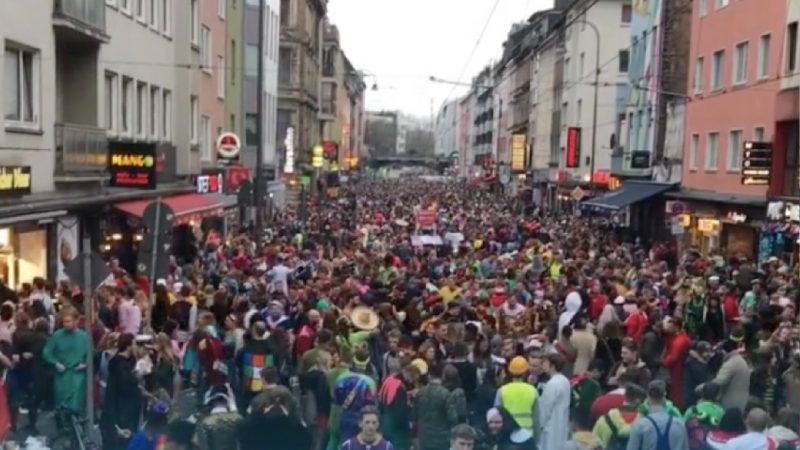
{"x": 357, "y": 326}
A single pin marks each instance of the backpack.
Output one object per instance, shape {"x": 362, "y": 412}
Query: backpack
{"x": 696, "y": 431}
{"x": 662, "y": 439}
{"x": 618, "y": 441}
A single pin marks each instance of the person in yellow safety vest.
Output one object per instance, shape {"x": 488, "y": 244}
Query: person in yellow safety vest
{"x": 518, "y": 397}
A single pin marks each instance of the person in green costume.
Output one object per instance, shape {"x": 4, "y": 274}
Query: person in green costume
{"x": 66, "y": 350}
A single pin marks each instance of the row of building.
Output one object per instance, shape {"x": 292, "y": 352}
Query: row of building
{"x": 109, "y": 104}
{"x": 655, "y": 101}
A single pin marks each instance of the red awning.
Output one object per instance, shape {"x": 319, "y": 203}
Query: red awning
{"x": 187, "y": 207}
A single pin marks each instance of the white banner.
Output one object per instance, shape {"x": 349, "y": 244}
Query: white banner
{"x": 67, "y": 232}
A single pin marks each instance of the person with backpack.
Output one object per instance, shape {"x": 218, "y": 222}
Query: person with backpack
{"x": 703, "y": 416}
{"x": 614, "y": 427}
{"x": 658, "y": 430}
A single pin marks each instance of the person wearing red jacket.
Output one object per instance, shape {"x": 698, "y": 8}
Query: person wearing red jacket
{"x": 676, "y": 347}
{"x": 730, "y": 307}
{"x": 637, "y": 322}
{"x": 597, "y": 302}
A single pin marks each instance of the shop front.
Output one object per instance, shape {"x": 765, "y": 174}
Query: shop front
{"x": 635, "y": 205}
{"x": 24, "y": 238}
{"x": 730, "y": 228}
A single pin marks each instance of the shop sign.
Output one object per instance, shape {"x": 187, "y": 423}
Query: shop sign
{"x": 330, "y": 150}
{"x": 317, "y": 158}
{"x": 578, "y": 194}
{"x": 708, "y": 226}
{"x": 684, "y": 219}
{"x": 518, "y": 153}
{"x": 234, "y": 177}
{"x": 573, "y": 147}
{"x": 756, "y": 163}
{"x": 133, "y": 166}
{"x": 228, "y": 147}
{"x": 288, "y": 166}
{"x": 734, "y": 217}
{"x": 15, "y": 181}
{"x": 209, "y": 183}
{"x": 792, "y": 212}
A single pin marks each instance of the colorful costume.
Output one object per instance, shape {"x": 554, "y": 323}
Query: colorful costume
{"x": 353, "y": 391}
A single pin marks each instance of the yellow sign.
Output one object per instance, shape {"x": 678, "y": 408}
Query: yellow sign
{"x": 684, "y": 219}
{"x": 316, "y": 156}
{"x": 15, "y": 179}
{"x": 710, "y": 226}
{"x": 123, "y": 160}
{"x": 334, "y": 167}
{"x": 518, "y": 152}
{"x": 613, "y": 183}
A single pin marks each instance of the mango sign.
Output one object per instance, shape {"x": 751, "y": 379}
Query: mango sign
{"x": 133, "y": 166}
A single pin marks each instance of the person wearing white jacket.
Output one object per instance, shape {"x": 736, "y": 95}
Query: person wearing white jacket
{"x": 552, "y": 410}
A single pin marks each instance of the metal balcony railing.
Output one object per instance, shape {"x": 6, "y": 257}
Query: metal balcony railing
{"x": 88, "y": 12}
{"x": 80, "y": 149}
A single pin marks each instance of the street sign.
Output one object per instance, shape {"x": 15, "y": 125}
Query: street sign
{"x": 505, "y": 178}
{"x": 228, "y": 147}
{"x": 578, "y": 194}
{"x": 155, "y": 248}
{"x": 756, "y": 163}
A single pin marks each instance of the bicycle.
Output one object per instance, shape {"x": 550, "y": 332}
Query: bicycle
{"x": 72, "y": 431}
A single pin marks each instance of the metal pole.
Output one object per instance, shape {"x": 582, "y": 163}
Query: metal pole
{"x": 155, "y": 234}
{"x": 258, "y": 191}
{"x": 88, "y": 318}
{"x": 594, "y": 107}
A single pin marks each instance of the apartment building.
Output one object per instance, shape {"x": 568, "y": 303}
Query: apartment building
{"x": 299, "y": 86}
{"x": 483, "y": 122}
{"x": 342, "y": 108}
{"x": 597, "y": 35}
{"x": 464, "y": 137}
{"x": 213, "y": 49}
{"x": 731, "y": 72}
{"x": 445, "y": 128}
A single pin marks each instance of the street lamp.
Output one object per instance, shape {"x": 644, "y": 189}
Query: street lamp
{"x": 363, "y": 74}
{"x": 594, "y": 107}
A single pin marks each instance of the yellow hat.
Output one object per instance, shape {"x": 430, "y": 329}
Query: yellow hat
{"x": 518, "y": 366}
{"x": 421, "y": 365}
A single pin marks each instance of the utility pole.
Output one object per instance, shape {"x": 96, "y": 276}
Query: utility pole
{"x": 260, "y": 182}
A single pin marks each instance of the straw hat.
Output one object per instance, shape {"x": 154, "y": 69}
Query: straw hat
{"x": 364, "y": 318}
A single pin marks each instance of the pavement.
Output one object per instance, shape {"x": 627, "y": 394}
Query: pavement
{"x": 47, "y": 429}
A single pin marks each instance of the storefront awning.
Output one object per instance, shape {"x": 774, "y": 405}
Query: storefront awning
{"x": 629, "y": 193}
{"x": 187, "y": 207}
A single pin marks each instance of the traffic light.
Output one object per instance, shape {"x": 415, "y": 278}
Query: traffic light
{"x": 756, "y": 163}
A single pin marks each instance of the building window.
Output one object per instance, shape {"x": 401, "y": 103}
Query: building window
{"x": 220, "y": 77}
{"x": 233, "y": 62}
{"x": 698, "y": 75}
{"x": 285, "y": 12}
{"x": 166, "y": 115}
{"x": 578, "y": 111}
{"x": 111, "y": 3}
{"x": 735, "y": 149}
{"x": 722, "y": 3}
{"x": 221, "y": 6}
{"x": 763, "y": 56}
{"x": 791, "y": 47}
{"x": 194, "y": 17}
{"x": 712, "y": 149}
{"x": 194, "y": 117}
{"x": 624, "y": 60}
{"x": 205, "y": 138}
{"x": 717, "y": 61}
{"x": 166, "y": 17}
{"x": 581, "y": 65}
{"x": 140, "y": 10}
{"x": 251, "y": 60}
{"x": 693, "y": 148}
{"x": 125, "y": 6}
{"x": 627, "y": 12}
{"x": 111, "y": 100}
{"x": 232, "y": 122}
{"x": 205, "y": 48}
{"x": 740, "y": 63}
{"x": 126, "y": 105}
{"x": 758, "y": 134}
{"x": 703, "y": 8}
{"x": 154, "y": 14}
{"x": 141, "y": 108}
{"x": 21, "y": 86}
{"x": 155, "y": 96}
{"x": 250, "y": 129}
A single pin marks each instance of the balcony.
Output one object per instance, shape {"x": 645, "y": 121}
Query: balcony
{"x": 81, "y": 152}
{"x": 80, "y": 21}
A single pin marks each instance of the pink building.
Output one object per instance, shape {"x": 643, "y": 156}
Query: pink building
{"x": 212, "y": 76}
{"x": 736, "y": 57}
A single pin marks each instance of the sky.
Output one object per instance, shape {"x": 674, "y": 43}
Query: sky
{"x": 404, "y": 43}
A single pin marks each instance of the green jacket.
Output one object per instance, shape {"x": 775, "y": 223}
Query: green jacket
{"x": 704, "y": 411}
{"x": 435, "y": 416}
{"x": 669, "y": 408}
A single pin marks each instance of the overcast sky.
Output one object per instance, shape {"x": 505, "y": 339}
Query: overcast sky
{"x": 404, "y": 42}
